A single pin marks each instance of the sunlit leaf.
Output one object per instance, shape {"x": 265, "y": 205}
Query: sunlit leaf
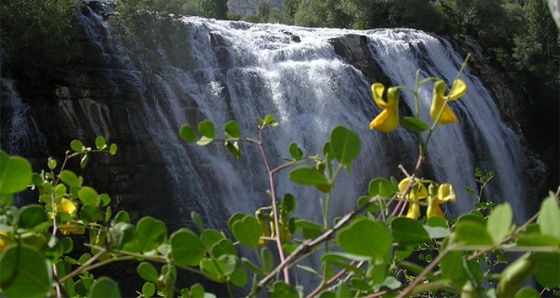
{"x": 381, "y": 187}
{"x": 15, "y": 173}
{"x": 89, "y": 196}
{"x": 549, "y": 217}
{"x": 345, "y": 144}
{"x": 77, "y": 146}
{"x": 100, "y": 143}
{"x": 472, "y": 233}
{"x": 499, "y": 222}
{"x": 148, "y": 289}
{"x": 113, "y": 149}
{"x": 208, "y": 132}
{"x": 69, "y": 178}
{"x": 282, "y": 290}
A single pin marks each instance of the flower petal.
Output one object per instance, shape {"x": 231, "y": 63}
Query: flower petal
{"x": 386, "y": 121}
{"x": 439, "y": 103}
{"x": 377, "y": 91}
{"x": 413, "y": 211}
{"x": 446, "y": 193}
{"x": 67, "y": 206}
{"x": 459, "y": 89}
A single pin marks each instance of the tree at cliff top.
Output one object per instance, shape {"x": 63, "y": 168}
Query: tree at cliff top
{"x": 39, "y": 34}
{"x": 213, "y": 8}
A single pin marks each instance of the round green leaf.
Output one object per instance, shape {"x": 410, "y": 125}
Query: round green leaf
{"x": 25, "y": 272}
{"x": 288, "y": 203}
{"x": 208, "y": 132}
{"x": 282, "y": 290}
{"x": 549, "y": 218}
{"x": 88, "y": 196}
{"x": 148, "y": 289}
{"x": 345, "y": 144}
{"x": 150, "y": 234}
{"x": 408, "y": 231}
{"x": 234, "y": 218}
{"x": 247, "y": 231}
{"x": 210, "y": 237}
{"x": 121, "y": 216}
{"x": 147, "y": 272}
{"x": 472, "y": 233}
{"x": 113, "y": 149}
{"x": 31, "y": 216}
{"x": 223, "y": 247}
{"x": 104, "y": 287}
{"x": 77, "y": 146}
{"x": 499, "y": 222}
{"x": 306, "y": 176}
{"x": 186, "y": 248}
{"x": 414, "y": 124}
{"x": 547, "y": 269}
{"x": 366, "y": 237}
{"x": 69, "y": 178}
{"x": 187, "y": 134}
{"x": 100, "y": 143}
{"x": 527, "y": 292}
{"x": 232, "y": 130}
{"x": 381, "y": 187}
{"x": 15, "y": 174}
{"x": 295, "y": 151}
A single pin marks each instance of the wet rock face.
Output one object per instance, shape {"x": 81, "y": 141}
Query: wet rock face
{"x": 353, "y": 48}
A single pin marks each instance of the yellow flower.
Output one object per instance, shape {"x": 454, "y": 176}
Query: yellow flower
{"x": 3, "y": 243}
{"x": 417, "y": 192}
{"x": 445, "y": 193}
{"x": 67, "y": 206}
{"x": 388, "y": 120}
{"x": 440, "y": 99}
{"x": 71, "y": 227}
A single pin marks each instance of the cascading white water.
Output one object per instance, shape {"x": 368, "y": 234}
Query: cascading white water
{"x": 242, "y": 71}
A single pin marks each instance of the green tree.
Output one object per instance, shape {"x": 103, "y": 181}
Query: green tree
{"x": 213, "y": 8}
{"x": 264, "y": 10}
{"x": 290, "y": 7}
{"x": 319, "y": 13}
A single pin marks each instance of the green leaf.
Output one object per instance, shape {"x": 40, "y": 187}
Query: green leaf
{"x": 365, "y": 237}
{"x": 452, "y": 268}
{"x": 121, "y": 216}
{"x": 414, "y": 124}
{"x": 147, "y": 272}
{"x": 295, "y": 151}
{"x": 15, "y": 173}
{"x": 239, "y": 276}
{"x": 408, "y": 231}
{"x": 113, "y": 149}
{"x": 89, "y": 196}
{"x": 547, "y": 269}
{"x": 208, "y": 132}
{"x": 549, "y": 218}
{"x": 223, "y": 247}
{"x": 122, "y": 236}
{"x": 148, "y": 289}
{"x": 197, "y": 220}
{"x": 51, "y": 163}
{"x": 233, "y": 148}
{"x": 345, "y": 144}
{"x": 267, "y": 260}
{"x": 269, "y": 120}
{"x": 234, "y": 218}
{"x": 187, "y": 134}
{"x": 499, "y": 222}
{"x": 437, "y": 232}
{"x": 104, "y": 287}
{"x": 527, "y": 292}
{"x": 288, "y": 204}
{"x": 25, "y": 272}
{"x": 247, "y": 231}
{"x": 100, "y": 143}
{"x": 31, "y": 216}
{"x": 69, "y": 178}
{"x": 232, "y": 130}
{"x": 375, "y": 207}
{"x": 381, "y": 187}
{"x": 247, "y": 263}
{"x": 77, "y": 146}
{"x": 472, "y": 233}
{"x": 150, "y": 234}
{"x": 309, "y": 229}
{"x": 186, "y": 248}
{"x": 306, "y": 176}
{"x": 210, "y": 237}
{"x": 282, "y": 290}
{"x": 84, "y": 161}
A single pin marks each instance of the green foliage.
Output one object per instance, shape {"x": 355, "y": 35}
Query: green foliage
{"x": 371, "y": 251}
{"x": 213, "y": 8}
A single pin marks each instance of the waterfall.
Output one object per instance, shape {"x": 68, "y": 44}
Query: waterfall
{"x": 239, "y": 71}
